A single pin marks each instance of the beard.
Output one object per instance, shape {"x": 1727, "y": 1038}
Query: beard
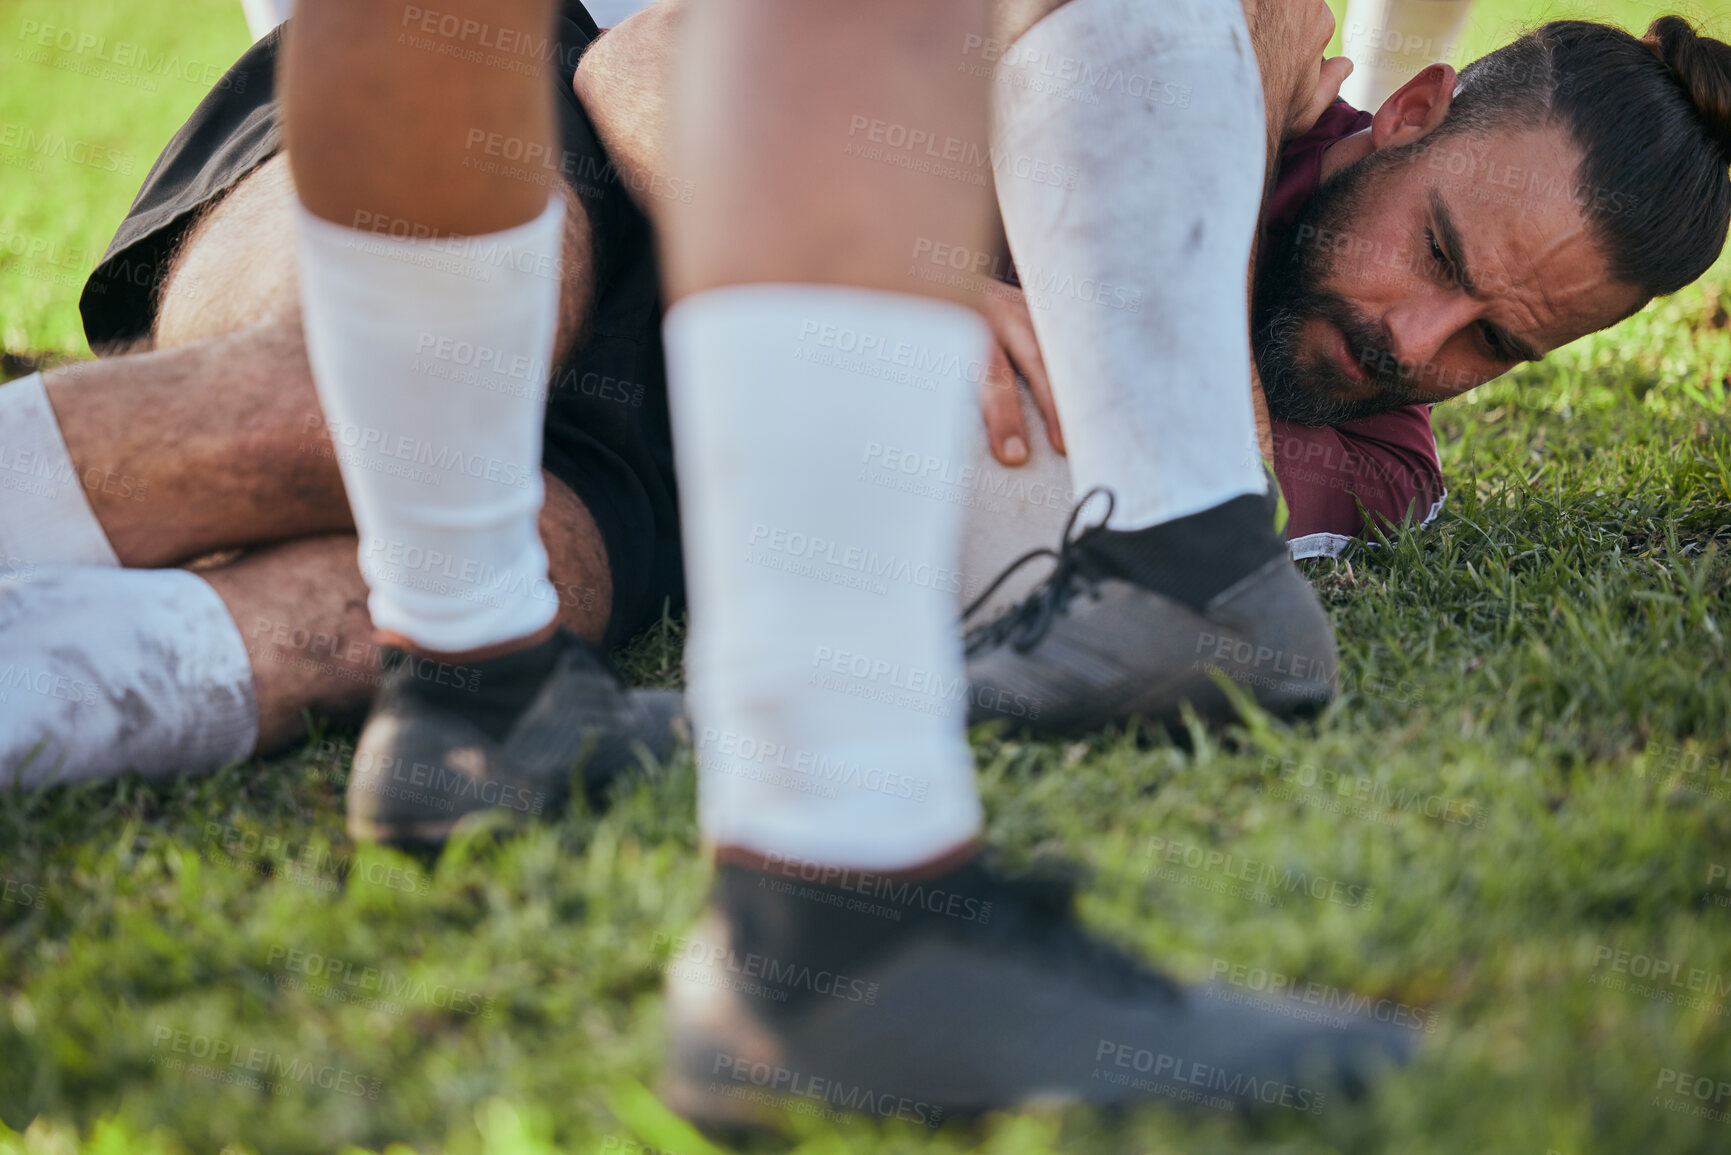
{"x": 1306, "y": 388}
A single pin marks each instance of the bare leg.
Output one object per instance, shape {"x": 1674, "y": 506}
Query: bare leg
{"x": 382, "y": 130}
{"x": 222, "y": 426}
{"x": 222, "y": 439}
{"x": 216, "y": 440}
{"x": 764, "y": 135}
{"x": 301, "y": 608}
{"x": 817, "y": 189}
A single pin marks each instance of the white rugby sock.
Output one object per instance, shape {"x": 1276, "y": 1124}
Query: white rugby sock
{"x": 45, "y": 515}
{"x": 431, "y": 360}
{"x": 1390, "y": 40}
{"x": 109, "y": 670}
{"x": 1134, "y": 263}
{"x": 826, "y": 680}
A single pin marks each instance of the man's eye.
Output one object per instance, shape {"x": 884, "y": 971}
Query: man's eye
{"x": 1494, "y": 343}
{"x": 1437, "y": 254}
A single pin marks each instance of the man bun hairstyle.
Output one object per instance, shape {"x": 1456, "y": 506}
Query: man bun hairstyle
{"x": 1651, "y": 118}
{"x": 1703, "y": 67}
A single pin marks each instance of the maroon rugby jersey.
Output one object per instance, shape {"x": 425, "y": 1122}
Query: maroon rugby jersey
{"x": 1387, "y": 462}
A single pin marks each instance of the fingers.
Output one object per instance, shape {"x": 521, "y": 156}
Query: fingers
{"x": 1042, "y": 391}
{"x": 1334, "y": 74}
{"x": 1014, "y": 328}
{"x": 1001, "y": 406}
{"x": 1016, "y": 332}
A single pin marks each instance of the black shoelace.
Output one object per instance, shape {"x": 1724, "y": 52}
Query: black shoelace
{"x": 1025, "y": 623}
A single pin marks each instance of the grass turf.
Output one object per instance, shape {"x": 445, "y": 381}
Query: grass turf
{"x": 1513, "y": 830}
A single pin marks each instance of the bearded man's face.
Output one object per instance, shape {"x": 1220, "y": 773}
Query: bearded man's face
{"x": 1423, "y": 271}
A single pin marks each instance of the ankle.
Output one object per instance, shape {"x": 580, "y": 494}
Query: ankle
{"x": 808, "y": 871}
{"x": 1195, "y": 558}
{"x": 783, "y": 904}
{"x": 491, "y": 692}
{"x": 485, "y": 653}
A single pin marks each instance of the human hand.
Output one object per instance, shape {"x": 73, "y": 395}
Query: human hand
{"x": 1015, "y": 350}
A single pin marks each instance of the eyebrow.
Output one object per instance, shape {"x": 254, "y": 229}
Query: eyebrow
{"x": 1451, "y": 239}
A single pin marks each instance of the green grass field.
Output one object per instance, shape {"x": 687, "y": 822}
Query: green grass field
{"x": 1526, "y": 784}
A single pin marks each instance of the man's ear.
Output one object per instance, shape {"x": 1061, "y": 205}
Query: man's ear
{"x": 1415, "y": 109}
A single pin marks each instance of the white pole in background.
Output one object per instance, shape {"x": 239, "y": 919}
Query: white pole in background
{"x": 607, "y": 13}
{"x": 263, "y": 15}
{"x": 1389, "y": 41}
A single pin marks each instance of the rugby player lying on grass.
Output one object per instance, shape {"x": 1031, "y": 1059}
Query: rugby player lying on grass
{"x": 1408, "y": 257}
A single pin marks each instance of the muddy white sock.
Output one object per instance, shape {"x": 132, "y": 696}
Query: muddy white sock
{"x": 431, "y": 359}
{"x": 1134, "y": 263}
{"x": 45, "y": 515}
{"x": 824, "y": 670}
{"x": 106, "y": 671}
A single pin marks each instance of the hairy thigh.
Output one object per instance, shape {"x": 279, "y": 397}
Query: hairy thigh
{"x": 236, "y": 266}
{"x": 236, "y": 271}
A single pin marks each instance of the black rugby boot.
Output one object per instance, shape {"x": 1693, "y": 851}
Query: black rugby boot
{"x": 827, "y": 991}
{"x": 1131, "y": 625}
{"x": 516, "y": 733}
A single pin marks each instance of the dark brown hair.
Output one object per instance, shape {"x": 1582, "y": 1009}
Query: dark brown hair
{"x": 1651, "y": 118}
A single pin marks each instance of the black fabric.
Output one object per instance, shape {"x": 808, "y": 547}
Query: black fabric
{"x": 1193, "y": 558}
{"x": 232, "y": 131}
{"x": 795, "y": 914}
{"x": 491, "y": 694}
{"x": 607, "y": 435}
{"x": 829, "y": 920}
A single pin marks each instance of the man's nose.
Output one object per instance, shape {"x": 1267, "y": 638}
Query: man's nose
{"x": 1421, "y": 326}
